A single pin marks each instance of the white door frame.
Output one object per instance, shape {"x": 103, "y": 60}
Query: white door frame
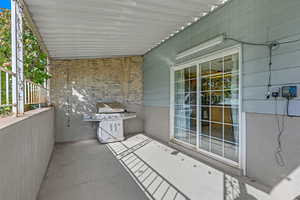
{"x": 242, "y": 121}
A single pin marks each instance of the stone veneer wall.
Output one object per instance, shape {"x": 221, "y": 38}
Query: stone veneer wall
{"x": 77, "y": 84}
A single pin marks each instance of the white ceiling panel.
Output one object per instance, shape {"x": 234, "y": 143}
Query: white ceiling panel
{"x": 108, "y": 28}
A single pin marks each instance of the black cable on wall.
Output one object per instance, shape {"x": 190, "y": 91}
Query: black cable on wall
{"x": 281, "y": 126}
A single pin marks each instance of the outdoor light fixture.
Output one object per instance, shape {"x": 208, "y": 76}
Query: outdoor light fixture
{"x": 200, "y": 47}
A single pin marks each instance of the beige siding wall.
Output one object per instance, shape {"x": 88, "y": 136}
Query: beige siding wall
{"x": 157, "y": 124}
{"x": 76, "y": 85}
{"x": 262, "y": 132}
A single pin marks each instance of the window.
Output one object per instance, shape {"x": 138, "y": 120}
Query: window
{"x": 206, "y": 110}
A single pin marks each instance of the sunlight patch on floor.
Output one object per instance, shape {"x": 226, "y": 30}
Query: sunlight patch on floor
{"x": 164, "y": 173}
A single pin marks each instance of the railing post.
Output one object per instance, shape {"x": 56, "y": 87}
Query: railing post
{"x": 17, "y": 57}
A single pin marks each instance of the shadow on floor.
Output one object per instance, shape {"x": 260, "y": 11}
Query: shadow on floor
{"x": 164, "y": 173}
{"x": 141, "y": 168}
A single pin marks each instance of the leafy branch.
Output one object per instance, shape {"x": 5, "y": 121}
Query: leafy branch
{"x": 35, "y": 60}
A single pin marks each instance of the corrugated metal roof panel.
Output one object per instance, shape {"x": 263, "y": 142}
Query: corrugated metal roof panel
{"x": 107, "y": 28}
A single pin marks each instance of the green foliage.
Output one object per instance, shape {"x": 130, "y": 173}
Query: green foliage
{"x": 5, "y": 111}
{"x": 35, "y": 60}
{"x": 5, "y": 38}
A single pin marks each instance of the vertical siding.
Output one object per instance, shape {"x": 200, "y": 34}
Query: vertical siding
{"x": 249, "y": 20}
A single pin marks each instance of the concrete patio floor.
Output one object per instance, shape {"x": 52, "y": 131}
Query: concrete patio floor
{"x": 87, "y": 171}
{"x": 137, "y": 168}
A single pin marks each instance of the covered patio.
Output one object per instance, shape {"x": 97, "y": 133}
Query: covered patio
{"x": 205, "y": 94}
{"x": 139, "y": 168}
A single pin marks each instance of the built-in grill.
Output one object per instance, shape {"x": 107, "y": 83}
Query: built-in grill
{"x": 110, "y": 118}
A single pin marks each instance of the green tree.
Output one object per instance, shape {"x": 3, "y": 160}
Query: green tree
{"x": 5, "y": 38}
{"x": 35, "y": 60}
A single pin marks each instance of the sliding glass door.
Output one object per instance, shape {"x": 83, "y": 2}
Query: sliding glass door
{"x": 186, "y": 105}
{"x": 209, "y": 88}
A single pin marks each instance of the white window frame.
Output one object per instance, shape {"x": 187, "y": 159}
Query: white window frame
{"x": 242, "y": 122}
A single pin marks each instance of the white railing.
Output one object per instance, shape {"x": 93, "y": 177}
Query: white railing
{"x": 6, "y": 87}
{"x": 33, "y": 93}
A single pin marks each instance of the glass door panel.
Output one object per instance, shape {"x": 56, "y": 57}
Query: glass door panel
{"x": 212, "y": 90}
{"x": 204, "y": 139}
{"x": 219, "y": 109}
{"x": 185, "y": 128}
{"x": 231, "y": 145}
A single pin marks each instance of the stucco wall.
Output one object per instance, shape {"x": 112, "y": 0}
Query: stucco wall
{"x": 157, "y": 123}
{"x": 26, "y": 144}
{"x": 77, "y": 85}
{"x": 248, "y": 20}
{"x": 262, "y": 132}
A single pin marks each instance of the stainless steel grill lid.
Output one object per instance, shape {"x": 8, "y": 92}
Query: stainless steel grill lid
{"x": 110, "y": 118}
{"x": 109, "y": 107}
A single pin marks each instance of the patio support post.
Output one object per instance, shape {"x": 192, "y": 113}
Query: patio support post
{"x": 17, "y": 57}
{"x": 47, "y": 83}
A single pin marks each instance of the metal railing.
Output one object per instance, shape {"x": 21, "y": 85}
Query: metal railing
{"x": 33, "y": 93}
{"x": 6, "y": 87}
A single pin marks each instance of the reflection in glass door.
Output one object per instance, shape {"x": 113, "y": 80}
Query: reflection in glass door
{"x": 218, "y": 106}
{"x": 186, "y": 105}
